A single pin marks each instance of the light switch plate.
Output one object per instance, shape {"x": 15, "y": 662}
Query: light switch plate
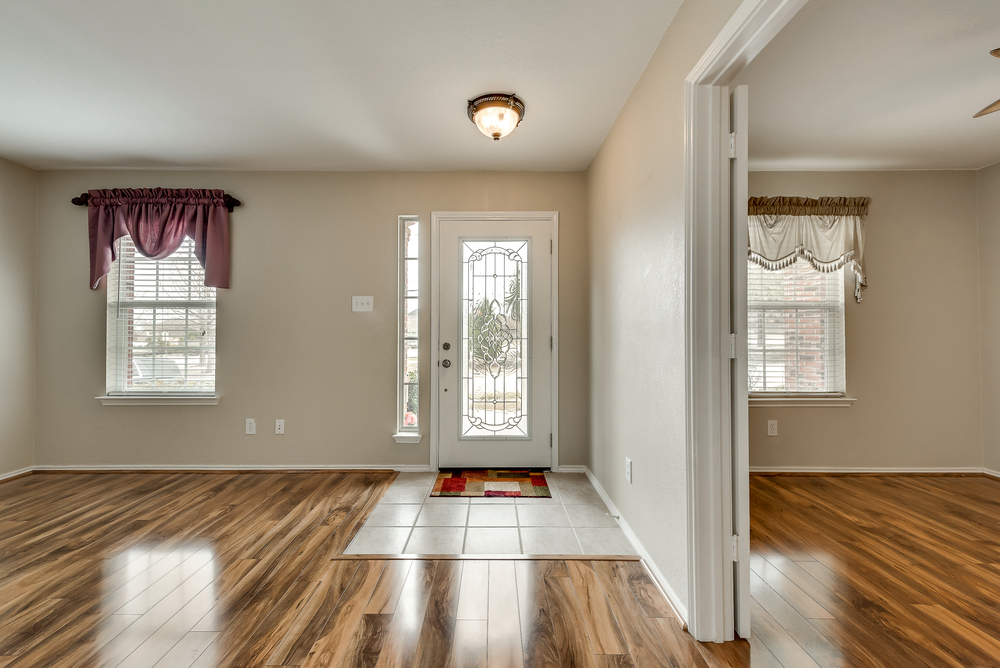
{"x": 362, "y": 303}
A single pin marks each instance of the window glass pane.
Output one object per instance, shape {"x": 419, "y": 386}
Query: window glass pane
{"x": 795, "y": 330}
{"x": 494, "y": 345}
{"x": 411, "y": 242}
{"x": 161, "y": 323}
{"x": 411, "y": 317}
{"x": 412, "y": 277}
{"x": 409, "y": 389}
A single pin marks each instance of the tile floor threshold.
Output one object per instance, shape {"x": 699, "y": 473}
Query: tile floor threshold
{"x": 573, "y": 522}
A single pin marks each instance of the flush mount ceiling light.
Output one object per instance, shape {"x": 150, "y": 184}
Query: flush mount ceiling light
{"x": 496, "y": 114}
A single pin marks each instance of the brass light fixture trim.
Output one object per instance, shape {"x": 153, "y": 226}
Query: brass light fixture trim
{"x": 996, "y": 105}
{"x": 500, "y": 104}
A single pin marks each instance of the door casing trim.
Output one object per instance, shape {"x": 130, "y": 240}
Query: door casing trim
{"x": 491, "y": 216}
{"x": 748, "y": 31}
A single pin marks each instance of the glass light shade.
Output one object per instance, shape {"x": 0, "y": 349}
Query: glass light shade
{"x": 496, "y": 120}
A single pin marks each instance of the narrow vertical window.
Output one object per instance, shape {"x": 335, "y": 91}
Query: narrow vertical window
{"x": 408, "y": 411}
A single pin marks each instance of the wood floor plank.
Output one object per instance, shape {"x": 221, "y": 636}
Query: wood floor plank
{"x": 473, "y": 602}
{"x": 646, "y": 592}
{"x": 817, "y": 645}
{"x": 605, "y": 637}
{"x": 568, "y": 625}
{"x": 389, "y": 589}
{"x": 503, "y": 635}
{"x": 367, "y": 642}
{"x": 804, "y": 603}
{"x": 538, "y": 640}
{"x": 784, "y": 647}
{"x": 404, "y": 631}
{"x": 615, "y": 661}
{"x": 679, "y": 645}
{"x": 187, "y": 650}
{"x": 469, "y": 650}
{"x": 640, "y": 637}
{"x": 307, "y": 626}
{"x": 334, "y": 641}
{"x": 437, "y": 635}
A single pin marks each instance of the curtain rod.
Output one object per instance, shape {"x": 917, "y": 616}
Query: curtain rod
{"x": 230, "y": 201}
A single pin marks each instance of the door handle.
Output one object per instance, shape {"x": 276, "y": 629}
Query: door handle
{"x": 446, "y": 363}
{"x": 446, "y": 345}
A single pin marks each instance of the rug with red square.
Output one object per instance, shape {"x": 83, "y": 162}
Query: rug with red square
{"x": 491, "y": 482}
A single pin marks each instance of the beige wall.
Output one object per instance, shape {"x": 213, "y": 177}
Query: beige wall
{"x": 988, "y": 190}
{"x": 913, "y": 344}
{"x": 636, "y": 191}
{"x": 17, "y": 315}
{"x": 288, "y": 344}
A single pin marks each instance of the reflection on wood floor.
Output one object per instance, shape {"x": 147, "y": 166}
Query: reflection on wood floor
{"x": 879, "y": 572}
{"x": 196, "y": 570}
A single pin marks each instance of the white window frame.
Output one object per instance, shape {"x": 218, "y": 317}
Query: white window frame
{"x": 406, "y": 433}
{"x": 829, "y": 399}
{"x": 116, "y": 393}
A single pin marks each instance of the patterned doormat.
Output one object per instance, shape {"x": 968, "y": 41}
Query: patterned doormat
{"x": 491, "y": 482}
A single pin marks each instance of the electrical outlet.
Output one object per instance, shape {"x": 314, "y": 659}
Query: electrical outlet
{"x": 362, "y": 303}
{"x": 628, "y": 470}
{"x": 772, "y": 427}
{"x": 251, "y": 426}
{"x": 279, "y": 426}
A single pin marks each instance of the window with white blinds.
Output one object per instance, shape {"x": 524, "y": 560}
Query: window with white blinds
{"x": 795, "y": 331}
{"x": 408, "y": 408}
{"x": 161, "y": 324}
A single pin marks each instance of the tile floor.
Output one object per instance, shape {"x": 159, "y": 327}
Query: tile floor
{"x": 409, "y": 521}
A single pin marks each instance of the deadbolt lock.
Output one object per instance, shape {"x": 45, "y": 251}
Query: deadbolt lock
{"x": 446, "y": 345}
{"x": 446, "y": 363}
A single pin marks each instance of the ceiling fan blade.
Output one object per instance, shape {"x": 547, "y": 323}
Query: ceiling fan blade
{"x": 989, "y": 110}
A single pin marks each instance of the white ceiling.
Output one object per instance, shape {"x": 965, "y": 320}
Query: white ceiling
{"x": 887, "y": 84}
{"x": 315, "y": 84}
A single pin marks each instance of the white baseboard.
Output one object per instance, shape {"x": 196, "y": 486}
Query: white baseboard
{"x": 406, "y": 468}
{"x": 668, "y": 592}
{"x": 572, "y": 468}
{"x": 991, "y": 473}
{"x": 887, "y": 470}
{"x": 14, "y": 474}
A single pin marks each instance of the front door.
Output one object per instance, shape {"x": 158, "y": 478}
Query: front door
{"x": 494, "y": 340}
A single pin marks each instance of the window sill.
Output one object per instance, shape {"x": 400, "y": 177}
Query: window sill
{"x": 785, "y": 400}
{"x": 159, "y": 401}
{"x": 407, "y": 437}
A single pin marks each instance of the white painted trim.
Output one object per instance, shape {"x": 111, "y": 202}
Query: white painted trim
{"x": 407, "y": 437}
{"x": 571, "y": 468}
{"x": 801, "y": 402}
{"x": 436, "y": 218}
{"x": 668, "y": 592}
{"x": 158, "y": 401}
{"x": 887, "y": 470}
{"x": 750, "y": 28}
{"x": 14, "y": 474}
{"x": 407, "y": 468}
{"x": 991, "y": 473}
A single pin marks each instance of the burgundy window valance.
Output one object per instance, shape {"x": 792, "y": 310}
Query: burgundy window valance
{"x": 158, "y": 219}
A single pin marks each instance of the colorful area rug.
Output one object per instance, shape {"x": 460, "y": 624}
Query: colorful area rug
{"x": 491, "y": 482}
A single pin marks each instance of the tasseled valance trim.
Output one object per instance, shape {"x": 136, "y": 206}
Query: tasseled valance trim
{"x": 845, "y": 260}
{"x": 806, "y": 206}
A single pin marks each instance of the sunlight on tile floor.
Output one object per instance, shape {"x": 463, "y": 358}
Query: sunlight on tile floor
{"x": 409, "y": 521}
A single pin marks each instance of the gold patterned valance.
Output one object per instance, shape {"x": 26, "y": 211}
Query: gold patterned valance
{"x": 807, "y": 206}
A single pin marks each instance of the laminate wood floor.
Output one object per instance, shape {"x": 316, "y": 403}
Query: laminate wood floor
{"x": 882, "y": 572}
{"x": 197, "y": 570}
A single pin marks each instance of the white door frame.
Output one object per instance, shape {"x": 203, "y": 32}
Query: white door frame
{"x": 750, "y": 28}
{"x": 490, "y": 216}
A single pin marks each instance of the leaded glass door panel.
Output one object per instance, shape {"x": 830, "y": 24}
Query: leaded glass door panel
{"x": 494, "y": 384}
